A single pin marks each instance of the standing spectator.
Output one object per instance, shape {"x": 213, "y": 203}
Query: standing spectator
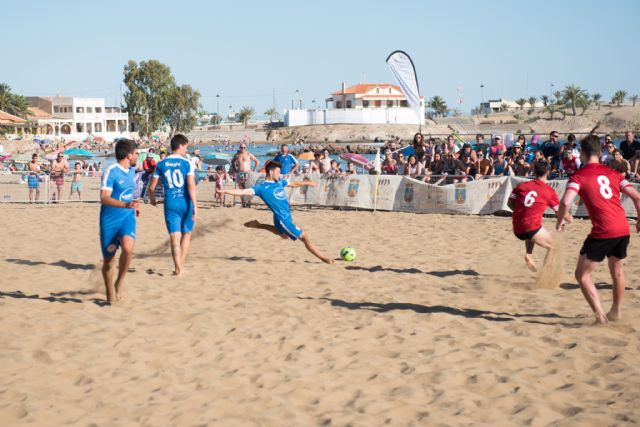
{"x": 76, "y": 183}
{"x": 242, "y": 165}
{"x": 219, "y": 177}
{"x": 33, "y": 179}
{"x": 316, "y": 165}
{"x": 325, "y": 161}
{"x": 333, "y": 170}
{"x": 148, "y": 165}
{"x": 287, "y": 160}
{"x": 59, "y": 167}
{"x": 418, "y": 146}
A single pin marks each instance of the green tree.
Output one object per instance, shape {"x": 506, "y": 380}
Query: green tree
{"x": 245, "y": 114}
{"x": 149, "y": 97}
{"x": 545, "y": 100}
{"x": 183, "y": 114}
{"x": 521, "y": 102}
{"x": 438, "y": 105}
{"x": 584, "y": 102}
{"x": 619, "y": 97}
{"x": 504, "y": 107}
{"x": 13, "y": 103}
{"x": 272, "y": 113}
{"x": 216, "y": 119}
{"x": 532, "y": 103}
{"x": 571, "y": 94}
{"x": 596, "y": 97}
{"x": 558, "y": 95}
{"x": 551, "y": 109}
{"x": 633, "y": 99}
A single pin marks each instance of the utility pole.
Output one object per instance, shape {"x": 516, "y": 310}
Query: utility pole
{"x": 218, "y": 105}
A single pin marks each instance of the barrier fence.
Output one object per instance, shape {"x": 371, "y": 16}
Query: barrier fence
{"x": 384, "y": 192}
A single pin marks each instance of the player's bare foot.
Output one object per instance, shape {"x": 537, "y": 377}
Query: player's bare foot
{"x": 614, "y": 315}
{"x": 531, "y": 264}
{"x": 601, "y": 319}
{"x": 252, "y": 224}
{"x": 327, "y": 260}
{"x": 178, "y": 273}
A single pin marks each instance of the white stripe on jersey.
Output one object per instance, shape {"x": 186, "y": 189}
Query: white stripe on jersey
{"x": 106, "y": 176}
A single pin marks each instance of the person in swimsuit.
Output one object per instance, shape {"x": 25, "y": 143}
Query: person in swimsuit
{"x": 76, "y": 183}
{"x": 33, "y": 179}
{"x": 59, "y": 167}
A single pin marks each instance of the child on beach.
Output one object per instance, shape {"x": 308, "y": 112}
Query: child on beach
{"x": 76, "y": 183}
{"x": 220, "y": 179}
{"x": 272, "y": 192}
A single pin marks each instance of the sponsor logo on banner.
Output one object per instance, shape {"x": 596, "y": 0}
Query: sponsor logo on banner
{"x": 354, "y": 185}
{"x": 408, "y": 193}
{"x": 461, "y": 194}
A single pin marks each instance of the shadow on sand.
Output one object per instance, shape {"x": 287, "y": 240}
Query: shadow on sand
{"x": 599, "y": 286}
{"x": 61, "y": 263}
{"x": 60, "y": 297}
{"x": 444, "y": 273}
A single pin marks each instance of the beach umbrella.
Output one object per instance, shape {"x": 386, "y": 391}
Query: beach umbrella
{"x": 4, "y": 157}
{"x": 357, "y": 159}
{"x": 307, "y": 155}
{"x": 217, "y": 159}
{"x": 78, "y": 153}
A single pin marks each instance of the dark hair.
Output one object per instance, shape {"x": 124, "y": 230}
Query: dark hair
{"x": 415, "y": 137}
{"x": 540, "y": 168}
{"x": 178, "y": 141}
{"x": 617, "y": 166}
{"x": 479, "y": 135}
{"x": 124, "y": 147}
{"x": 552, "y": 132}
{"x": 283, "y": 145}
{"x": 271, "y": 165}
{"x": 34, "y": 156}
{"x": 590, "y": 145}
{"x": 571, "y": 137}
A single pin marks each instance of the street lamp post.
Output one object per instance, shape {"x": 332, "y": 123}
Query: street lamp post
{"x": 292, "y": 102}
{"x": 550, "y": 90}
{"x": 218, "y": 105}
{"x": 482, "y": 88}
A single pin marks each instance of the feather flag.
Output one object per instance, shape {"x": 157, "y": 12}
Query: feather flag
{"x": 405, "y": 73}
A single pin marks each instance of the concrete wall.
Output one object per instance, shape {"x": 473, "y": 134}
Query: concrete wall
{"x": 351, "y": 116}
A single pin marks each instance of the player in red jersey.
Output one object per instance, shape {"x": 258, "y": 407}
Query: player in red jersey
{"x": 599, "y": 187}
{"x": 528, "y": 201}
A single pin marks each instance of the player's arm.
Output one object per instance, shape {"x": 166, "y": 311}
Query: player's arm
{"x": 563, "y": 213}
{"x": 191, "y": 185}
{"x": 511, "y": 202}
{"x": 633, "y": 194}
{"x": 296, "y": 184}
{"x": 151, "y": 189}
{"x": 107, "y": 200}
{"x": 255, "y": 159}
{"x": 237, "y": 192}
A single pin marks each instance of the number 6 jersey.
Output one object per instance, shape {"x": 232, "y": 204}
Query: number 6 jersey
{"x": 531, "y": 199}
{"x": 173, "y": 171}
{"x": 599, "y": 188}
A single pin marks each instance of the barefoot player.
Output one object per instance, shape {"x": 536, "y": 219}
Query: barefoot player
{"x": 180, "y": 204}
{"x": 528, "y": 201}
{"x": 272, "y": 192}
{"x": 599, "y": 187}
{"x": 118, "y": 216}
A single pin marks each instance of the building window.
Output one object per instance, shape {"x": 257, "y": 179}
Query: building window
{"x": 338, "y": 104}
{"x": 79, "y": 127}
{"x": 97, "y": 127}
{"x": 404, "y": 104}
{"x": 378, "y": 104}
{"x": 89, "y": 127}
{"x": 98, "y": 109}
{"x": 377, "y": 90}
{"x": 89, "y": 110}
{"x": 56, "y": 109}
{"x": 389, "y": 104}
{"x": 389, "y": 90}
{"x": 365, "y": 104}
{"x": 79, "y": 109}
{"x": 348, "y": 104}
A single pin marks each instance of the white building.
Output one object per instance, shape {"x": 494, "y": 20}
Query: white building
{"x": 496, "y": 106}
{"x": 369, "y": 103}
{"x": 77, "y": 118}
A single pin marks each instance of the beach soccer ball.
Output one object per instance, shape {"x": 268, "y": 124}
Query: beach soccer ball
{"x": 348, "y": 253}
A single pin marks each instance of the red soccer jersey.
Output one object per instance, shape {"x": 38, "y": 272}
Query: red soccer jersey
{"x": 531, "y": 199}
{"x": 599, "y": 188}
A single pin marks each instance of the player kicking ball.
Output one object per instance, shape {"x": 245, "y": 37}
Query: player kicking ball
{"x": 599, "y": 187}
{"x": 180, "y": 203}
{"x": 118, "y": 212}
{"x": 528, "y": 201}
{"x": 272, "y": 192}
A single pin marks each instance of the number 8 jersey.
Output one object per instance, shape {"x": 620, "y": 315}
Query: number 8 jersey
{"x": 599, "y": 188}
{"x": 530, "y": 200}
{"x": 173, "y": 171}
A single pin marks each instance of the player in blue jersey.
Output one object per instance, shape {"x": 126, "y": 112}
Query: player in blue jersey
{"x": 272, "y": 192}
{"x": 118, "y": 211}
{"x": 180, "y": 204}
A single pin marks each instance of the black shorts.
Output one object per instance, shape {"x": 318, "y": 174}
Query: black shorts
{"x": 598, "y": 249}
{"x": 527, "y": 235}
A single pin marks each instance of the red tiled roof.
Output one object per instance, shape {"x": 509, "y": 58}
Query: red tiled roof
{"x": 38, "y": 113}
{"x": 10, "y": 119}
{"x": 366, "y": 87}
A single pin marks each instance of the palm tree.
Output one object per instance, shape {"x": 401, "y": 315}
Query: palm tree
{"x": 619, "y": 97}
{"x": 633, "y": 99}
{"x": 272, "y": 113}
{"x": 13, "y": 103}
{"x": 532, "y": 103}
{"x": 216, "y": 119}
{"x": 558, "y": 96}
{"x": 572, "y": 94}
{"x": 596, "y": 97}
{"x": 551, "y": 109}
{"x": 438, "y": 105}
{"x": 521, "y": 102}
{"x": 545, "y": 100}
{"x": 583, "y": 102}
{"x": 504, "y": 106}
{"x": 245, "y": 114}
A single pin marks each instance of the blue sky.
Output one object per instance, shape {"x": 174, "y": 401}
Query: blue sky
{"x": 245, "y": 50}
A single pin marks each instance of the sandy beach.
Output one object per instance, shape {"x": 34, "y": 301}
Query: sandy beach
{"x": 438, "y": 322}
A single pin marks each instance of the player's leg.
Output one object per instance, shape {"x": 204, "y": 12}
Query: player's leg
{"x": 617, "y": 275}
{"x": 257, "y": 224}
{"x": 126, "y": 242}
{"x": 304, "y": 237}
{"x": 107, "y": 277}
{"x": 584, "y": 271}
{"x": 185, "y": 241}
{"x": 543, "y": 238}
{"x": 528, "y": 256}
{"x": 176, "y": 252}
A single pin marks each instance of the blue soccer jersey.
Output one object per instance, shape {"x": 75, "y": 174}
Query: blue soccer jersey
{"x": 274, "y": 196}
{"x": 287, "y": 162}
{"x": 117, "y": 222}
{"x": 178, "y": 209}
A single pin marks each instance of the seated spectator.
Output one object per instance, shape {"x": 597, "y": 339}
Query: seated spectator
{"x": 607, "y": 154}
{"x": 500, "y": 165}
{"x": 401, "y": 163}
{"x": 333, "y": 171}
{"x": 484, "y": 166}
{"x": 496, "y": 145}
{"x": 351, "y": 170}
{"x": 436, "y": 167}
{"x": 570, "y": 163}
{"x": 520, "y": 167}
{"x": 389, "y": 164}
{"x": 468, "y": 151}
{"x": 413, "y": 166}
{"x": 621, "y": 164}
{"x": 451, "y": 146}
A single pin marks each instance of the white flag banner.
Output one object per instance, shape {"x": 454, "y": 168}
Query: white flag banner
{"x": 403, "y": 69}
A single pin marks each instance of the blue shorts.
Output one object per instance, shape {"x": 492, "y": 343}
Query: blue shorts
{"x": 287, "y": 227}
{"x": 76, "y": 186}
{"x": 112, "y": 231}
{"x": 33, "y": 181}
{"x": 179, "y": 220}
